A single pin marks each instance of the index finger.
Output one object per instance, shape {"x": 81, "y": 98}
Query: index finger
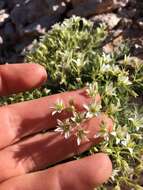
{"x": 20, "y": 77}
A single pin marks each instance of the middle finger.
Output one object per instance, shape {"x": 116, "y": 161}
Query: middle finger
{"x": 26, "y": 118}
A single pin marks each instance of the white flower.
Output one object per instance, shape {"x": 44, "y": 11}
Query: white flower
{"x": 124, "y": 80}
{"x": 106, "y": 58}
{"x": 137, "y": 122}
{"x": 78, "y": 118}
{"x": 113, "y": 108}
{"x": 81, "y": 135}
{"x": 110, "y": 90}
{"x": 113, "y": 133}
{"x": 58, "y": 107}
{"x": 79, "y": 62}
{"x": 131, "y": 150}
{"x": 92, "y": 109}
{"x": 114, "y": 174}
{"x": 126, "y": 140}
{"x": 103, "y": 133}
{"x": 64, "y": 127}
{"x": 92, "y": 89}
{"x": 118, "y": 141}
{"x": 115, "y": 69}
{"x": 105, "y": 68}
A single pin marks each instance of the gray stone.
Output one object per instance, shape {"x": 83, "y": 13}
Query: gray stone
{"x": 40, "y": 26}
{"x": 77, "y": 2}
{"x": 56, "y": 6}
{"x": 2, "y": 4}
{"x": 30, "y": 12}
{"x": 9, "y": 33}
{"x": 120, "y": 3}
{"x": 128, "y": 13}
{"x": 12, "y": 3}
{"x": 110, "y": 19}
{"x": 93, "y": 7}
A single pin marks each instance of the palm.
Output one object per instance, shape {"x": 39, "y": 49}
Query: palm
{"x": 26, "y": 150}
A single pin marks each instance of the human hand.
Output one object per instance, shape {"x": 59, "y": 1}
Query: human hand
{"x": 26, "y": 151}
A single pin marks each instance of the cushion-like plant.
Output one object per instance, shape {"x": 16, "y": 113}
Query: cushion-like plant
{"x": 73, "y": 56}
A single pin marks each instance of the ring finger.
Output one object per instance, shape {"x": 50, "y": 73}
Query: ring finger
{"x": 43, "y": 150}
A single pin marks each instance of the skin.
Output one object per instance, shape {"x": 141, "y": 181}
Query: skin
{"x": 26, "y": 150}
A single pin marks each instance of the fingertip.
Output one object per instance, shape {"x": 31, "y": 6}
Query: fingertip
{"x": 20, "y": 77}
{"x": 38, "y": 70}
{"x": 104, "y": 172}
{"x": 87, "y": 173}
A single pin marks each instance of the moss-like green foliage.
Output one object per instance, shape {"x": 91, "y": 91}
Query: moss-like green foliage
{"x": 68, "y": 51}
{"x": 73, "y": 56}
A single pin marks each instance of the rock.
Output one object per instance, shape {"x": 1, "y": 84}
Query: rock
{"x": 40, "y": 26}
{"x": 120, "y": 3}
{"x": 32, "y": 9}
{"x": 2, "y": 4}
{"x": 21, "y": 46}
{"x": 113, "y": 41}
{"x": 10, "y": 4}
{"x": 10, "y": 35}
{"x": 117, "y": 3}
{"x": 108, "y": 48}
{"x": 56, "y": 6}
{"x": 129, "y": 13}
{"x": 110, "y": 19}
{"x": 35, "y": 10}
{"x": 3, "y": 16}
{"x": 139, "y": 6}
{"x": 14, "y": 58}
{"x": 93, "y": 7}
{"x": 76, "y": 2}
